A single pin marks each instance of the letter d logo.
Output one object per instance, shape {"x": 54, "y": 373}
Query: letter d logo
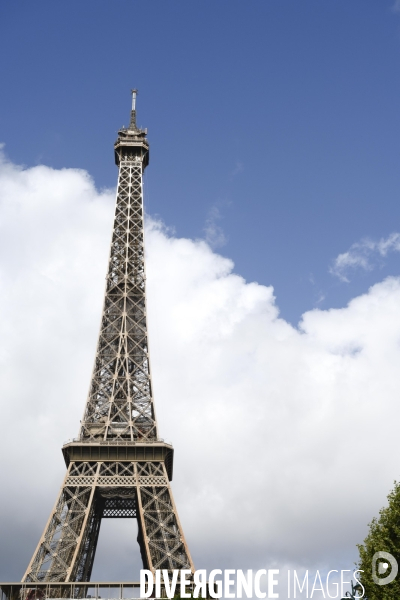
{"x": 382, "y": 568}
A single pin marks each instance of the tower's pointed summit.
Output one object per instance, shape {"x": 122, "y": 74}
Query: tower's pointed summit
{"x": 132, "y": 140}
{"x": 132, "y": 124}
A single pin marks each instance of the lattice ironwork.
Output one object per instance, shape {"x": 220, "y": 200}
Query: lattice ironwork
{"x": 86, "y": 469}
{"x": 165, "y": 541}
{"x": 117, "y": 468}
{"x": 67, "y": 548}
{"x": 120, "y": 403}
{"x": 119, "y": 507}
{"x": 62, "y": 534}
{"x": 119, "y": 411}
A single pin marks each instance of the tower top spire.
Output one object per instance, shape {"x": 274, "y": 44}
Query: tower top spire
{"x": 134, "y": 94}
{"x": 132, "y": 139}
{"x": 132, "y": 124}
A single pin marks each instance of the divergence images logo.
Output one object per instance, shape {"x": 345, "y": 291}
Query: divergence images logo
{"x": 383, "y": 567}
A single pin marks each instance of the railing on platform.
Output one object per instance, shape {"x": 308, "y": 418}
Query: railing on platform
{"x": 117, "y": 442}
{"x": 74, "y": 590}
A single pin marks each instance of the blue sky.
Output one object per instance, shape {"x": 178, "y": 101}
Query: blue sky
{"x": 276, "y": 120}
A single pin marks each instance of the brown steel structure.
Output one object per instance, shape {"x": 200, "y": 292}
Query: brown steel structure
{"x": 118, "y": 466}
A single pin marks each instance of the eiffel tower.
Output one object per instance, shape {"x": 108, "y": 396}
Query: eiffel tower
{"x": 118, "y": 466}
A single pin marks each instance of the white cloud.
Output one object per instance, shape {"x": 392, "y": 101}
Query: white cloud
{"x": 396, "y": 6}
{"x": 214, "y": 233}
{"x": 363, "y": 255}
{"x": 286, "y": 440}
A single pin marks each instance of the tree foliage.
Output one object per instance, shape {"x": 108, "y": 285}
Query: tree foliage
{"x": 384, "y": 535}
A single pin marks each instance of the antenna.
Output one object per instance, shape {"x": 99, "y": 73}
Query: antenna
{"x": 134, "y": 94}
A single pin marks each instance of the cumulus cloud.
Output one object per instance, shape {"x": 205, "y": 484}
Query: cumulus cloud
{"x": 54, "y": 237}
{"x": 286, "y": 439}
{"x": 364, "y": 255}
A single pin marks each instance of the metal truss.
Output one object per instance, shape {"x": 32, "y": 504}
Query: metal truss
{"x": 119, "y": 419}
{"x": 95, "y": 490}
{"x": 120, "y": 403}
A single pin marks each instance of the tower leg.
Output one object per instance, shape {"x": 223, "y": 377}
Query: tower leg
{"x": 93, "y": 490}
{"x": 61, "y": 542}
{"x": 165, "y": 542}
